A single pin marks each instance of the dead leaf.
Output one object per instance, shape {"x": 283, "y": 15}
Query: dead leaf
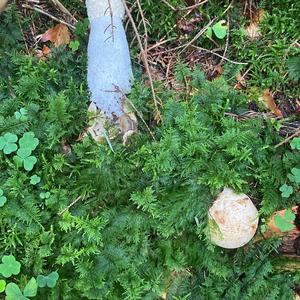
{"x": 268, "y": 100}
{"x": 44, "y": 53}
{"x": 58, "y": 35}
{"x": 253, "y": 30}
{"x": 2, "y": 5}
{"x": 241, "y": 82}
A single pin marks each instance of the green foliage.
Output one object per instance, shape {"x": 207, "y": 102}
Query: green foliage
{"x": 131, "y": 223}
{"x": 2, "y": 285}
{"x": 285, "y": 222}
{"x": 9, "y": 266}
{"x": 3, "y": 199}
{"x": 49, "y": 280}
{"x": 8, "y": 143}
{"x": 293, "y": 65}
{"x": 219, "y": 29}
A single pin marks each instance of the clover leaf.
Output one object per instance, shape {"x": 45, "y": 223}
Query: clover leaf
{"x": 3, "y": 199}
{"x": 44, "y": 195}
{"x": 34, "y": 179}
{"x": 285, "y": 222}
{"x": 23, "y": 157}
{"x": 22, "y": 115}
{"x": 30, "y": 289}
{"x": 28, "y": 141}
{"x": 13, "y": 292}
{"x": 220, "y": 29}
{"x": 286, "y": 190}
{"x": 8, "y": 143}
{"x": 295, "y": 143}
{"x": 9, "y": 266}
{"x": 2, "y": 285}
{"x": 295, "y": 176}
{"x": 49, "y": 280}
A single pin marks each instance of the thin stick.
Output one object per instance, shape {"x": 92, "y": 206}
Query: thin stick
{"x": 70, "y": 205}
{"x": 227, "y": 43}
{"x": 193, "y": 6}
{"x": 296, "y": 133}
{"x": 48, "y": 15}
{"x": 144, "y": 56}
{"x": 111, "y": 20}
{"x": 144, "y": 25}
{"x": 168, "y": 4}
{"x": 221, "y": 56}
{"x": 64, "y": 9}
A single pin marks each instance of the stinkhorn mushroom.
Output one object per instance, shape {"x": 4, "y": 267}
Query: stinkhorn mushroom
{"x": 109, "y": 65}
{"x": 233, "y": 220}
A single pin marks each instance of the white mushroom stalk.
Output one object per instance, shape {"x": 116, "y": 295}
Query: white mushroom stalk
{"x": 109, "y": 65}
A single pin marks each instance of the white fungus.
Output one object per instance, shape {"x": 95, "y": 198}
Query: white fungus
{"x": 233, "y": 220}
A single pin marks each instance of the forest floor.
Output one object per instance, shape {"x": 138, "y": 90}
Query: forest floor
{"x": 216, "y": 94}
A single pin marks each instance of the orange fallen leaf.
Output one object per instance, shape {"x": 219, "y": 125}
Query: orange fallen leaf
{"x": 268, "y": 100}
{"x": 58, "y": 35}
{"x": 44, "y": 53}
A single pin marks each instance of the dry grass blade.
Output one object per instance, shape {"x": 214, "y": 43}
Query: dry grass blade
{"x": 145, "y": 61}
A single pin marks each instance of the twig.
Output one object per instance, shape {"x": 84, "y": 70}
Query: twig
{"x": 144, "y": 25}
{"x": 297, "y": 132}
{"x": 193, "y": 6}
{"x": 221, "y": 56}
{"x": 196, "y": 37}
{"x": 168, "y": 4}
{"x": 227, "y": 43}
{"x": 64, "y": 9}
{"x": 111, "y": 21}
{"x": 70, "y": 205}
{"x": 144, "y": 57}
{"x": 48, "y": 15}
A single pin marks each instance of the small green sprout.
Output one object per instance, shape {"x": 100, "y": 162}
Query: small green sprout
{"x": 219, "y": 29}
{"x": 9, "y": 266}
{"x": 286, "y": 190}
{"x": 44, "y": 195}
{"x": 74, "y": 45}
{"x": 22, "y": 114}
{"x": 13, "y": 291}
{"x": 295, "y": 175}
{"x": 8, "y": 143}
{"x": 34, "y": 179}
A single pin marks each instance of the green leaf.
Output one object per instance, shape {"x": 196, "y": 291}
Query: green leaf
{"x": 295, "y": 143}
{"x": 28, "y": 141}
{"x": 285, "y": 222}
{"x": 49, "y": 280}
{"x": 21, "y": 115}
{"x": 296, "y": 174}
{"x": 41, "y": 281}
{"x": 74, "y": 45}
{"x": 30, "y": 289}
{"x": 2, "y": 285}
{"x": 52, "y": 279}
{"x": 286, "y": 190}
{"x": 13, "y": 292}
{"x": 220, "y": 29}
{"x": 29, "y": 163}
{"x": 24, "y": 152}
{"x": 9, "y": 266}
{"x": 209, "y": 32}
{"x": 34, "y": 179}
{"x": 8, "y": 143}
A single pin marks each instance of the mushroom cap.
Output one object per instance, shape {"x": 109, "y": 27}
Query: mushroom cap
{"x": 233, "y": 220}
{"x": 99, "y": 8}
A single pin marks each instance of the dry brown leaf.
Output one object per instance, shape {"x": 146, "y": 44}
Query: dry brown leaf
{"x": 268, "y": 100}
{"x": 241, "y": 82}
{"x": 44, "y": 53}
{"x": 2, "y": 5}
{"x": 253, "y": 30}
{"x": 58, "y": 35}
